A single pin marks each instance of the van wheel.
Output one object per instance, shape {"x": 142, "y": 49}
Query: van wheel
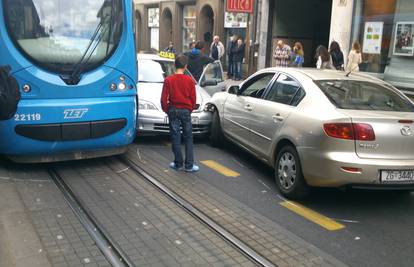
{"x": 216, "y": 134}
{"x": 288, "y": 174}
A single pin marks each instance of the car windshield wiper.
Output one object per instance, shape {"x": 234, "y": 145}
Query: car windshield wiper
{"x": 95, "y": 40}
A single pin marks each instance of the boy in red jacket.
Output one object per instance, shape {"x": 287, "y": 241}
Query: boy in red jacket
{"x": 178, "y": 100}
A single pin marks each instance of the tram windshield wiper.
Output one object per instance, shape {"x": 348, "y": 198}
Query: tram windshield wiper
{"x": 99, "y": 33}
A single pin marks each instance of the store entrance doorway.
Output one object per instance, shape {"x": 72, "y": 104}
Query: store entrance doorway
{"x": 206, "y": 25}
{"x": 166, "y": 28}
{"x": 308, "y": 22}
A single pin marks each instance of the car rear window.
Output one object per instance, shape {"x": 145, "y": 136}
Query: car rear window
{"x": 360, "y": 95}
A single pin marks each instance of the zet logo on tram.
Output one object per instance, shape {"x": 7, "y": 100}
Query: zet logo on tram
{"x": 74, "y": 113}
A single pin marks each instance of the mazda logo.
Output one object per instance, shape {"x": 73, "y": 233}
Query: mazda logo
{"x": 406, "y": 130}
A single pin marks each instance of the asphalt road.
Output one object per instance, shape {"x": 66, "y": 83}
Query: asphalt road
{"x": 379, "y": 226}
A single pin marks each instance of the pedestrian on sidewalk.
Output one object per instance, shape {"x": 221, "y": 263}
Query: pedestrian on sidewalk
{"x": 282, "y": 54}
{"x": 170, "y": 48}
{"x": 337, "y": 55}
{"x": 323, "y": 58}
{"x": 216, "y": 48}
{"x": 238, "y": 55}
{"x": 230, "y": 67}
{"x": 354, "y": 57}
{"x": 178, "y": 99}
{"x": 197, "y": 61}
{"x": 298, "y": 55}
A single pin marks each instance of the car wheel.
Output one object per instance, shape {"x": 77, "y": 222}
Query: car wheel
{"x": 216, "y": 134}
{"x": 288, "y": 174}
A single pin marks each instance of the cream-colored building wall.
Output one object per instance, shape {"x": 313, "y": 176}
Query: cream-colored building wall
{"x": 341, "y": 24}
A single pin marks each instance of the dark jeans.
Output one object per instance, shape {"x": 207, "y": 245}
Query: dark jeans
{"x": 181, "y": 118}
{"x": 230, "y": 68}
{"x": 237, "y": 70}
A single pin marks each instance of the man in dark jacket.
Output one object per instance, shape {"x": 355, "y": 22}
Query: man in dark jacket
{"x": 238, "y": 55}
{"x": 230, "y": 66}
{"x": 197, "y": 61}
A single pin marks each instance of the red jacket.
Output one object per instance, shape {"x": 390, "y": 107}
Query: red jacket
{"x": 179, "y": 92}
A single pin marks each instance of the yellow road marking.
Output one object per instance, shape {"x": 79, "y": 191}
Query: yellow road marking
{"x": 220, "y": 168}
{"x": 312, "y": 216}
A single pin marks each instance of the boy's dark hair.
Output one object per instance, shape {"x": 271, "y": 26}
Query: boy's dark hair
{"x": 181, "y": 61}
{"x": 199, "y": 45}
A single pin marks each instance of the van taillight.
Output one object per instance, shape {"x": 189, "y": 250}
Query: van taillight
{"x": 350, "y": 131}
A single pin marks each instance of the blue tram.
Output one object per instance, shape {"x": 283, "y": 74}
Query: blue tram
{"x": 75, "y": 63}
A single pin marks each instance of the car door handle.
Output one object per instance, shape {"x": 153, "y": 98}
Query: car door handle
{"x": 248, "y": 107}
{"x": 277, "y": 118}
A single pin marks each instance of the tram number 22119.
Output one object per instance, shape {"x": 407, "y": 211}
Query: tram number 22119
{"x": 27, "y": 117}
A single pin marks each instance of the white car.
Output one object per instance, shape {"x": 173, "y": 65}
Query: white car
{"x": 152, "y": 120}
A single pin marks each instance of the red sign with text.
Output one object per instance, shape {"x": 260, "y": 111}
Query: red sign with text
{"x": 240, "y": 6}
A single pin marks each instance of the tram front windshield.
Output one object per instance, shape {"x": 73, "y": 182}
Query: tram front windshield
{"x": 58, "y": 34}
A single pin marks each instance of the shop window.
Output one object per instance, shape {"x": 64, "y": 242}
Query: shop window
{"x": 154, "y": 27}
{"x": 189, "y": 26}
{"x": 373, "y": 27}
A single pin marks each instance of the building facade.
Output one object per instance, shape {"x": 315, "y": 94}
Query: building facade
{"x": 384, "y": 28}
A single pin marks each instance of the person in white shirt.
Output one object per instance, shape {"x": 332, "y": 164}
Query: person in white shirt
{"x": 354, "y": 58}
{"x": 216, "y": 48}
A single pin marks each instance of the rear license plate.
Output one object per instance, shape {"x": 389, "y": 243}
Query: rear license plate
{"x": 397, "y": 176}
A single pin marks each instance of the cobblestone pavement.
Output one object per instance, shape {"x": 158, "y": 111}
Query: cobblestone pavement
{"x": 39, "y": 227}
{"x": 149, "y": 227}
{"x": 265, "y": 236}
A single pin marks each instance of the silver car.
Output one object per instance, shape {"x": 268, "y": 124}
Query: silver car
{"x": 152, "y": 120}
{"x": 320, "y": 128}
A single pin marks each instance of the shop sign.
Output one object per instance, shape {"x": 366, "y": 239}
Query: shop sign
{"x": 241, "y": 6}
{"x": 235, "y": 20}
{"x": 373, "y": 37}
{"x": 403, "y": 41}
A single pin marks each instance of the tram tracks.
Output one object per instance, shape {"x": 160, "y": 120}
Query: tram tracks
{"x": 199, "y": 215}
{"x": 109, "y": 247}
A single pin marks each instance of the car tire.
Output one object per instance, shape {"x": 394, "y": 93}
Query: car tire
{"x": 288, "y": 174}
{"x": 216, "y": 135}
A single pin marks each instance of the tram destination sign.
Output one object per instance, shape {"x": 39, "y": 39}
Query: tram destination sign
{"x": 240, "y": 6}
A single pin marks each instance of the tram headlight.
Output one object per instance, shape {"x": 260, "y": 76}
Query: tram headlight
{"x": 113, "y": 87}
{"x": 26, "y": 88}
{"x": 145, "y": 105}
{"x": 122, "y": 86}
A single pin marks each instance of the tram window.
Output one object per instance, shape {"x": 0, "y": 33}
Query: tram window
{"x": 57, "y": 34}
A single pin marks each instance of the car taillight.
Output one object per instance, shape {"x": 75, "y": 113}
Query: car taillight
{"x": 350, "y": 131}
{"x": 339, "y": 130}
{"x": 364, "y": 132}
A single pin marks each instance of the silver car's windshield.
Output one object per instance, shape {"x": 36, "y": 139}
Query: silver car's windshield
{"x": 359, "y": 95}
{"x": 155, "y": 71}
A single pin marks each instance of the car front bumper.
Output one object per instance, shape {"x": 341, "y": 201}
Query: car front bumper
{"x": 326, "y": 170}
{"x": 156, "y": 123}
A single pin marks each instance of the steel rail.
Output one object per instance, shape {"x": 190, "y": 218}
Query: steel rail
{"x": 112, "y": 252}
{"x": 202, "y": 217}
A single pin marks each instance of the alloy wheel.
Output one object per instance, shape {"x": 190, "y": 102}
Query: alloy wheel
{"x": 287, "y": 170}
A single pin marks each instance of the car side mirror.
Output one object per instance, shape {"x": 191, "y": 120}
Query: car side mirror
{"x": 208, "y": 83}
{"x": 234, "y": 89}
